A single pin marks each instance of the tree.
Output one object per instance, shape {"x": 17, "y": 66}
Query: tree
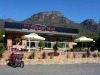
{"x": 41, "y": 45}
{"x": 1, "y": 34}
{"x": 56, "y": 46}
{"x": 16, "y": 40}
{"x": 2, "y": 49}
{"x": 98, "y": 43}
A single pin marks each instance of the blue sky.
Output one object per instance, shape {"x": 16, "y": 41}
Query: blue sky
{"x": 75, "y": 10}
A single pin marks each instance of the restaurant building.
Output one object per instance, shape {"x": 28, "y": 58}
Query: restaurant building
{"x": 50, "y": 33}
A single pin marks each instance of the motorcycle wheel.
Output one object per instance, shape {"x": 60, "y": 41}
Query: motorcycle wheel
{"x": 15, "y": 65}
{"x": 9, "y": 64}
{"x": 22, "y": 64}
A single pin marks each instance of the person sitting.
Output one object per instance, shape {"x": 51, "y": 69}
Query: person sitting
{"x": 12, "y": 57}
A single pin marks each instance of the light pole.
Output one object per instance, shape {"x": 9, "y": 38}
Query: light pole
{"x": 94, "y": 45}
{"x": 3, "y": 40}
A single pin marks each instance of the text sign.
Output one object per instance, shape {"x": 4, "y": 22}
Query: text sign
{"x": 39, "y": 27}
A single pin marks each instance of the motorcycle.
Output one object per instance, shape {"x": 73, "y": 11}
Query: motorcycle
{"x": 15, "y": 60}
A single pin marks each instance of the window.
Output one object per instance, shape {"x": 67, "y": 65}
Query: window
{"x": 50, "y": 39}
{"x": 63, "y": 41}
{"x": 48, "y": 42}
{"x": 32, "y": 43}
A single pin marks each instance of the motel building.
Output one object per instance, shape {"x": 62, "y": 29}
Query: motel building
{"x": 50, "y": 33}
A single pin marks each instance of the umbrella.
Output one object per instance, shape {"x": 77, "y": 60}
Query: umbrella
{"x": 83, "y": 39}
{"x": 32, "y": 36}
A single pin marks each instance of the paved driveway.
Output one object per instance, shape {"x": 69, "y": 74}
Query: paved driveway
{"x": 80, "y": 69}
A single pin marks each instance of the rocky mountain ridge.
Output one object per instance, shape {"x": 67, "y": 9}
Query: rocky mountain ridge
{"x": 91, "y": 25}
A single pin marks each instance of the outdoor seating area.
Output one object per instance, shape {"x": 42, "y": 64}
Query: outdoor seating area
{"x": 63, "y": 52}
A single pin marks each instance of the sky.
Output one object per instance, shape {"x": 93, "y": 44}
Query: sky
{"x": 75, "y": 10}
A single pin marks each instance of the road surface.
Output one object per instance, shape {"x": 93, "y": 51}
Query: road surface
{"x": 66, "y": 69}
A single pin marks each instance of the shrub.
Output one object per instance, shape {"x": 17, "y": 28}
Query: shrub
{"x": 44, "y": 55}
{"x": 84, "y": 55}
{"x": 53, "y": 53}
{"x": 51, "y": 56}
{"x": 41, "y": 45}
{"x": 56, "y": 45}
{"x": 56, "y": 54}
{"x": 96, "y": 55}
{"x": 88, "y": 53}
{"x": 16, "y": 40}
{"x": 33, "y": 55}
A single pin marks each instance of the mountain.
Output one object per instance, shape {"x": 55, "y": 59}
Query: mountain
{"x": 1, "y": 24}
{"x": 10, "y": 20}
{"x": 57, "y": 19}
{"x": 5, "y": 20}
{"x": 91, "y": 25}
{"x": 48, "y": 18}
{"x": 89, "y": 22}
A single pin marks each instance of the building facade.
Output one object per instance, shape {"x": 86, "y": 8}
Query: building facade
{"x": 50, "y": 33}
